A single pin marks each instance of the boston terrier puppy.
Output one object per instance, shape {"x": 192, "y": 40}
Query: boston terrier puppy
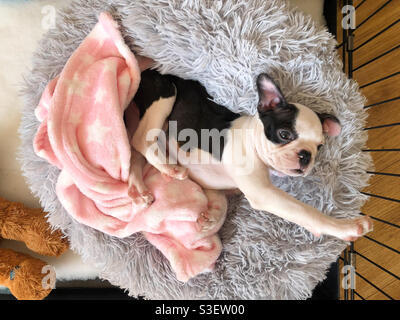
{"x": 240, "y": 153}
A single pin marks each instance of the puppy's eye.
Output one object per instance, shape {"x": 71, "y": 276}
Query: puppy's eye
{"x": 285, "y": 135}
{"x": 320, "y": 146}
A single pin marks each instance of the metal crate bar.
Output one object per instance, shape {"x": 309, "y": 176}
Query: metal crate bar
{"x": 377, "y": 265}
{"x": 352, "y": 259}
{"x": 344, "y": 39}
{"x": 348, "y": 255}
{"x": 345, "y": 262}
{"x": 369, "y": 282}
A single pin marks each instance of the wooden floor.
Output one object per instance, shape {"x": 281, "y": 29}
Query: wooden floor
{"x": 376, "y": 67}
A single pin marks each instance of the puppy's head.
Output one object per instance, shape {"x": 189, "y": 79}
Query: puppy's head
{"x": 292, "y": 133}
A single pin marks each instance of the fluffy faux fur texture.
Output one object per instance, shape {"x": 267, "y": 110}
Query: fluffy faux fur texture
{"x": 224, "y": 45}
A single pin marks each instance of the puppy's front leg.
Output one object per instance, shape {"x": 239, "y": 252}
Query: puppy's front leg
{"x": 262, "y": 195}
{"x": 146, "y": 135}
{"x": 137, "y": 189}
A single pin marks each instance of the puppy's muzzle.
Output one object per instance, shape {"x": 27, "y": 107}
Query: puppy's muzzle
{"x": 304, "y": 159}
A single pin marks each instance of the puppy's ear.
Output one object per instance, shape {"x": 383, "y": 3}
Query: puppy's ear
{"x": 270, "y": 96}
{"x": 330, "y": 124}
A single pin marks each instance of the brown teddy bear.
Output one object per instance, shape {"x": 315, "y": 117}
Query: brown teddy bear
{"x": 20, "y": 273}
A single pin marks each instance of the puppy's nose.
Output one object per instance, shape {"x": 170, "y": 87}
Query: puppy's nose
{"x": 304, "y": 158}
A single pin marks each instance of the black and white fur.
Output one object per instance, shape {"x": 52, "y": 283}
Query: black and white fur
{"x": 283, "y": 138}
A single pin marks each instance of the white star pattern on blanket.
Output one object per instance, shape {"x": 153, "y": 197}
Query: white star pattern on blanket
{"x": 115, "y": 160}
{"x": 87, "y": 59}
{"x": 101, "y": 187}
{"x": 75, "y": 147}
{"x": 109, "y": 65}
{"x": 97, "y": 132}
{"x": 100, "y": 94}
{"x": 75, "y": 118}
{"x": 100, "y": 35}
{"x": 50, "y": 125}
{"x": 76, "y": 86}
{"x": 65, "y": 180}
{"x": 123, "y": 48}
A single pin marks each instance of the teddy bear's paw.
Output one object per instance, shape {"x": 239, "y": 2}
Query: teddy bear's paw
{"x": 28, "y": 282}
{"x": 47, "y": 244}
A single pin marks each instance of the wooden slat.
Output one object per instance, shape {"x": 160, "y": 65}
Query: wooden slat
{"x": 387, "y": 235}
{"x": 388, "y": 137}
{"x": 382, "y": 209}
{"x": 356, "y": 3}
{"x": 387, "y": 186}
{"x": 381, "y": 44}
{"x": 379, "y": 69}
{"x": 389, "y": 14}
{"x": 383, "y": 90}
{"x": 367, "y": 291}
{"x": 384, "y": 114}
{"x": 384, "y": 138}
{"x": 382, "y": 281}
{"x": 392, "y": 288}
{"x": 383, "y": 257}
{"x": 386, "y": 161}
{"x": 364, "y": 11}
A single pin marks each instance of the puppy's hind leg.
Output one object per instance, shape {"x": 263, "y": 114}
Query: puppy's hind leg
{"x": 137, "y": 189}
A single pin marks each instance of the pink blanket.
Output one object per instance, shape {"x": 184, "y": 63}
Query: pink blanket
{"x": 82, "y": 132}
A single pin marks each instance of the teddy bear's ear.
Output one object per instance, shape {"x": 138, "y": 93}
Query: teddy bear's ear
{"x": 330, "y": 124}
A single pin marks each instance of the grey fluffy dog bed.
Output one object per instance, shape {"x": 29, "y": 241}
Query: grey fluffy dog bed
{"x": 224, "y": 45}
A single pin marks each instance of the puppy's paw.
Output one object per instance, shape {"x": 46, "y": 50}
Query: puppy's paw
{"x": 206, "y": 221}
{"x": 357, "y": 228}
{"x": 210, "y": 221}
{"x": 144, "y": 199}
{"x": 175, "y": 171}
{"x": 352, "y": 229}
{"x": 147, "y": 197}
